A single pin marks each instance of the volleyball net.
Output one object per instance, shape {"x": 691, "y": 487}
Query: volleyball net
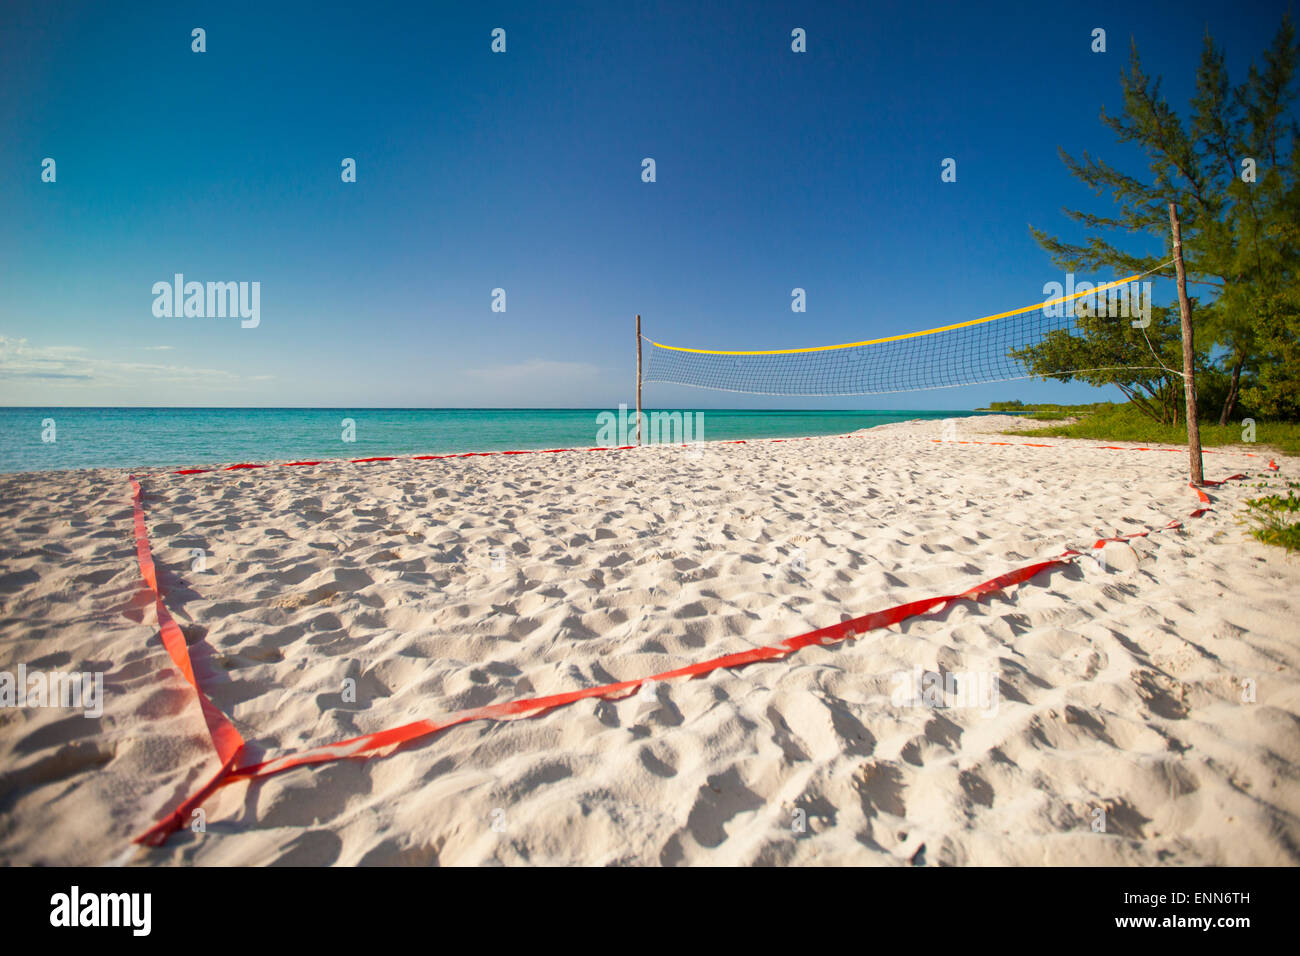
{"x": 966, "y": 353}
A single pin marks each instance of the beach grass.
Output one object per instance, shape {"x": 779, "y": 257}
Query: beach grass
{"x": 1113, "y": 422}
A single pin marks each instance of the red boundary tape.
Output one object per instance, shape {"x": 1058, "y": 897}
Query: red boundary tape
{"x": 225, "y": 738}
{"x": 229, "y": 744}
{"x": 462, "y": 454}
{"x": 1027, "y": 444}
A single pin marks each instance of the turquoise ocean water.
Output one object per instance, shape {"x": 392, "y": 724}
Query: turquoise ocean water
{"x": 178, "y": 437}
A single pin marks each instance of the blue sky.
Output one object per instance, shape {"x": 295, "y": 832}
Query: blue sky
{"x": 522, "y": 171}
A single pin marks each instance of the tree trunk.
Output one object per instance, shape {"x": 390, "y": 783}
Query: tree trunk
{"x": 1230, "y": 402}
{"x": 1195, "y": 461}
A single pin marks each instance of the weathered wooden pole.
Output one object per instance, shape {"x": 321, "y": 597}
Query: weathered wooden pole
{"x": 1189, "y": 355}
{"x": 638, "y": 380}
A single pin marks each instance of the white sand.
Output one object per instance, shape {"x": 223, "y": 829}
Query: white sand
{"x": 1120, "y": 688}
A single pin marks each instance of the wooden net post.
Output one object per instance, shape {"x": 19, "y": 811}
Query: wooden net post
{"x": 1189, "y": 355}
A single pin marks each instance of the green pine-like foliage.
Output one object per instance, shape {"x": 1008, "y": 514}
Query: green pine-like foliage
{"x": 1241, "y": 240}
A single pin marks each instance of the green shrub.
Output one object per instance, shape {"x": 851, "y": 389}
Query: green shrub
{"x": 1276, "y": 519}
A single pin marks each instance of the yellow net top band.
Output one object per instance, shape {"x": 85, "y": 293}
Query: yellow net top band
{"x": 913, "y": 335}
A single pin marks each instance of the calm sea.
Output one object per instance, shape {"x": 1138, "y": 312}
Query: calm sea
{"x": 161, "y": 437}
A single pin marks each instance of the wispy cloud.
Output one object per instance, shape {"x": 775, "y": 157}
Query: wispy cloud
{"x": 70, "y": 365}
{"x": 537, "y": 370}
